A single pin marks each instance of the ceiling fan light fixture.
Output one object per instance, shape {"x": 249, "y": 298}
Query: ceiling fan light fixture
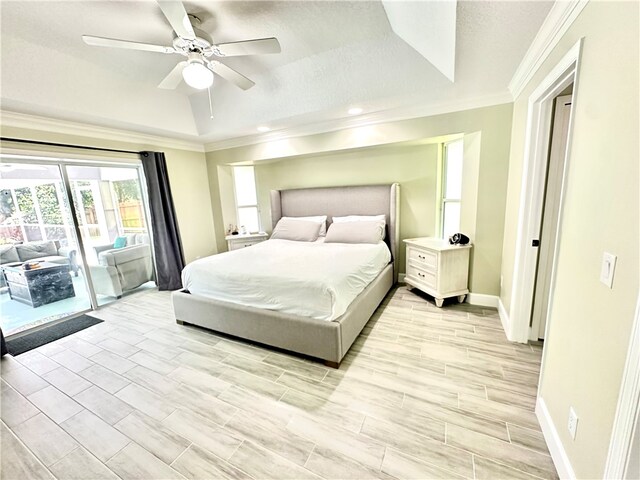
{"x": 197, "y": 75}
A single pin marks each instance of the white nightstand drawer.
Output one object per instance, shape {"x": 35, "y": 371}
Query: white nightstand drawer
{"x": 235, "y": 242}
{"x": 423, "y": 258}
{"x": 428, "y": 279}
{"x": 235, "y": 245}
{"x": 437, "y": 268}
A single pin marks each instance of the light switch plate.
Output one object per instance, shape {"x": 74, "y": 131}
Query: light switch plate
{"x": 608, "y": 269}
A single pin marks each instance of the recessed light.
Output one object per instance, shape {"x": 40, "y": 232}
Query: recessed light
{"x": 262, "y": 128}
{"x": 355, "y": 111}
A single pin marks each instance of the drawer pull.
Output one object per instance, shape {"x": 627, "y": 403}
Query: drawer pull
{"x": 422, "y": 257}
{"x": 421, "y": 275}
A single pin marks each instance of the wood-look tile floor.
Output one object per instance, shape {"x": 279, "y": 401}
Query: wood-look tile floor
{"x": 423, "y": 393}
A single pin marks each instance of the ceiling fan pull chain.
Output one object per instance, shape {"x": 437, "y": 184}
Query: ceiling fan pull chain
{"x": 210, "y": 103}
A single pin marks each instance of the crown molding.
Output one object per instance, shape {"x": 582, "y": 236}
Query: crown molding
{"x": 46, "y": 124}
{"x": 560, "y": 18}
{"x": 35, "y": 122}
{"x": 383, "y": 116}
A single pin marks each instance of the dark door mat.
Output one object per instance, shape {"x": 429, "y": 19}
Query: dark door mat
{"x": 27, "y": 342}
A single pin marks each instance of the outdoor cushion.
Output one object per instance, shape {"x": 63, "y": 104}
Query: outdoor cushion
{"x": 120, "y": 242}
{"x": 33, "y": 250}
{"x": 142, "y": 238}
{"x": 8, "y": 254}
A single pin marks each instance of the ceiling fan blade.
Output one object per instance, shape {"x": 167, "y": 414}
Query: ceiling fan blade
{"x": 178, "y": 18}
{"x": 230, "y": 75}
{"x": 258, "y": 46}
{"x": 112, "y": 42}
{"x": 173, "y": 79}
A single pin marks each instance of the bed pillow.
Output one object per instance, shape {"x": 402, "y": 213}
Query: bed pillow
{"x": 362, "y": 218}
{"x": 294, "y": 229}
{"x": 355, "y": 232}
{"x": 321, "y": 219}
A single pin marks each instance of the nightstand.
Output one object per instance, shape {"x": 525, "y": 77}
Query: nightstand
{"x": 437, "y": 268}
{"x": 234, "y": 242}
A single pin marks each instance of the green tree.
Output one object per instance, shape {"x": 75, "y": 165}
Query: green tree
{"x": 87, "y": 199}
{"x": 127, "y": 190}
{"x": 26, "y": 205}
{"x": 49, "y": 204}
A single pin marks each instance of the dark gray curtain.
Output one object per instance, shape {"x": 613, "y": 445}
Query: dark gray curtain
{"x": 166, "y": 236}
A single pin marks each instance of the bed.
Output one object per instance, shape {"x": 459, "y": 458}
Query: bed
{"x": 323, "y": 331}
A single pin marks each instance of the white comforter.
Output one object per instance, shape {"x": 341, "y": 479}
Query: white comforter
{"x": 316, "y": 280}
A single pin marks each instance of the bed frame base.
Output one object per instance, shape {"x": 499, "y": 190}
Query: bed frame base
{"x": 328, "y": 341}
{"x": 320, "y": 339}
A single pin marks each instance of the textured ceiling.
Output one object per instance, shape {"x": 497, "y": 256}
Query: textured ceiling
{"x": 334, "y": 55}
{"x": 429, "y": 27}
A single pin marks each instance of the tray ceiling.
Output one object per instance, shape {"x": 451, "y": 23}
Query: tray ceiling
{"x": 335, "y": 55}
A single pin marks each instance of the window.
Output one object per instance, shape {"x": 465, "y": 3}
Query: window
{"x": 248, "y": 214}
{"x": 451, "y": 188}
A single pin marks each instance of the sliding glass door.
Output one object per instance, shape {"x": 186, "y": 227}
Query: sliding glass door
{"x": 72, "y": 237}
{"x": 41, "y": 276}
{"x": 113, "y": 225}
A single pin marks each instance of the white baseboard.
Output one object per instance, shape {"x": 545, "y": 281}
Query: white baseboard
{"x": 551, "y": 436}
{"x": 479, "y": 299}
{"x": 504, "y": 318}
{"x": 482, "y": 300}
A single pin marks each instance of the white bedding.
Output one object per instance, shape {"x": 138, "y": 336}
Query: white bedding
{"x": 316, "y": 280}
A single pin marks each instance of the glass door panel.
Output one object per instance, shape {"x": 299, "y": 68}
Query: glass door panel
{"x": 41, "y": 278}
{"x": 113, "y": 225}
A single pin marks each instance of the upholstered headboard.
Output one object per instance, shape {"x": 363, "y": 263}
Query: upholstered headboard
{"x": 341, "y": 201}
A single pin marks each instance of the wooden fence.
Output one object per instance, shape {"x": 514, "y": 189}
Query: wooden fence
{"x": 131, "y": 214}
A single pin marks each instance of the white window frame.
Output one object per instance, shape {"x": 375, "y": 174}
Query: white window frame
{"x": 235, "y": 195}
{"x": 443, "y": 199}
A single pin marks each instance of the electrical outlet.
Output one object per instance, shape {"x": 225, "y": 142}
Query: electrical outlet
{"x": 573, "y": 422}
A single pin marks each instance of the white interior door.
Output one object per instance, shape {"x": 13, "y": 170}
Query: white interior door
{"x": 549, "y": 228}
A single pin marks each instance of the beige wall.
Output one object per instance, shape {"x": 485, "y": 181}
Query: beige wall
{"x": 391, "y": 152}
{"x": 590, "y": 324}
{"x": 187, "y": 176}
{"x": 414, "y": 167}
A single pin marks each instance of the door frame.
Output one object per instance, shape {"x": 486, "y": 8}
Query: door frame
{"x": 536, "y": 321}
{"x": 537, "y": 140}
{"x": 627, "y": 409}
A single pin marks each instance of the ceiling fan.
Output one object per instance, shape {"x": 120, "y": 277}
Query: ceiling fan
{"x": 202, "y": 54}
